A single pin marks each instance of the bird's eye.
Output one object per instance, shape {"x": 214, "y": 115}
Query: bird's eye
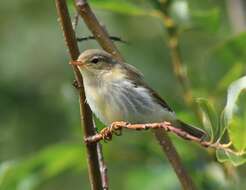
{"x": 95, "y": 60}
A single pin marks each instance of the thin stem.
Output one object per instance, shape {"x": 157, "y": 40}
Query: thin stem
{"x": 103, "y": 167}
{"x": 85, "y": 112}
{"x": 102, "y": 164}
{"x": 113, "y": 38}
{"x": 116, "y": 128}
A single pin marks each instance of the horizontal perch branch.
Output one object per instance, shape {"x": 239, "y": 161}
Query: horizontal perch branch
{"x": 116, "y": 128}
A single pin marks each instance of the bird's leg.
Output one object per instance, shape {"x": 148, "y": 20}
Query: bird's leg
{"x": 107, "y": 132}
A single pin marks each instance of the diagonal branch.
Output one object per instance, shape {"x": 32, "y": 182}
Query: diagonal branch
{"x": 85, "y": 112}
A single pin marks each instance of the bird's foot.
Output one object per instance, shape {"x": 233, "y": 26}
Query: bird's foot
{"x": 108, "y": 132}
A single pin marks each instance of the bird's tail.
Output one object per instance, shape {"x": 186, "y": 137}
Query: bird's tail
{"x": 197, "y": 132}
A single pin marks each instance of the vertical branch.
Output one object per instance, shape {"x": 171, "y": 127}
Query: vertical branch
{"x": 103, "y": 168}
{"x": 97, "y": 29}
{"x": 85, "y": 112}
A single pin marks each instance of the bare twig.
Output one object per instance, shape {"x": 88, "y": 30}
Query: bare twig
{"x": 85, "y": 112}
{"x": 116, "y": 128}
{"x": 103, "y": 167}
{"x": 114, "y": 38}
{"x": 97, "y": 29}
{"x": 102, "y": 164}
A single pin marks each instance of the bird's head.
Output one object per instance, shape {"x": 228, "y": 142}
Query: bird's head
{"x": 95, "y": 62}
{"x": 98, "y": 67}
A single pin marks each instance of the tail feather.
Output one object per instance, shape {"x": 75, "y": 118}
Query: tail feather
{"x": 197, "y": 132}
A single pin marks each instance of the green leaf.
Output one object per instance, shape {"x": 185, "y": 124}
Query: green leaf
{"x": 221, "y": 155}
{"x": 237, "y": 133}
{"x": 224, "y": 155}
{"x": 209, "y": 118}
{"x": 233, "y": 93}
{"x": 235, "y": 124}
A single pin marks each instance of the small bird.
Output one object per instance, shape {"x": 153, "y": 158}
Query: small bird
{"x": 116, "y": 91}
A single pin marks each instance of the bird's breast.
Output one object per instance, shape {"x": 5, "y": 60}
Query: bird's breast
{"x": 124, "y": 101}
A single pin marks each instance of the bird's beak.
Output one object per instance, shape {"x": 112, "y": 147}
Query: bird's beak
{"x": 77, "y": 63}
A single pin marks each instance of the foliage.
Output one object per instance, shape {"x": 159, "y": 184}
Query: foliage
{"x": 230, "y": 122}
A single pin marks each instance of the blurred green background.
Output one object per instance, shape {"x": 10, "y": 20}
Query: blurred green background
{"x": 40, "y": 136}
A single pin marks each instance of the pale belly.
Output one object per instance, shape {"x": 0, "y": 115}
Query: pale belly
{"x": 128, "y": 104}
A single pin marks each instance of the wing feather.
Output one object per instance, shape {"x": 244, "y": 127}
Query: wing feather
{"x": 137, "y": 79}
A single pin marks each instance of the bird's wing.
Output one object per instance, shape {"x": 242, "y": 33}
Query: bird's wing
{"x": 137, "y": 78}
{"x": 158, "y": 99}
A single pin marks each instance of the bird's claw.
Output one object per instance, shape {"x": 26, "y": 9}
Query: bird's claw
{"x": 107, "y": 133}
{"x": 115, "y": 129}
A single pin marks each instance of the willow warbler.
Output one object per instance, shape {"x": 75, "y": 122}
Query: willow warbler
{"x": 116, "y": 91}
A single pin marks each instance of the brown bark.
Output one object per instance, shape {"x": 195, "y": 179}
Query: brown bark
{"x": 85, "y": 112}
